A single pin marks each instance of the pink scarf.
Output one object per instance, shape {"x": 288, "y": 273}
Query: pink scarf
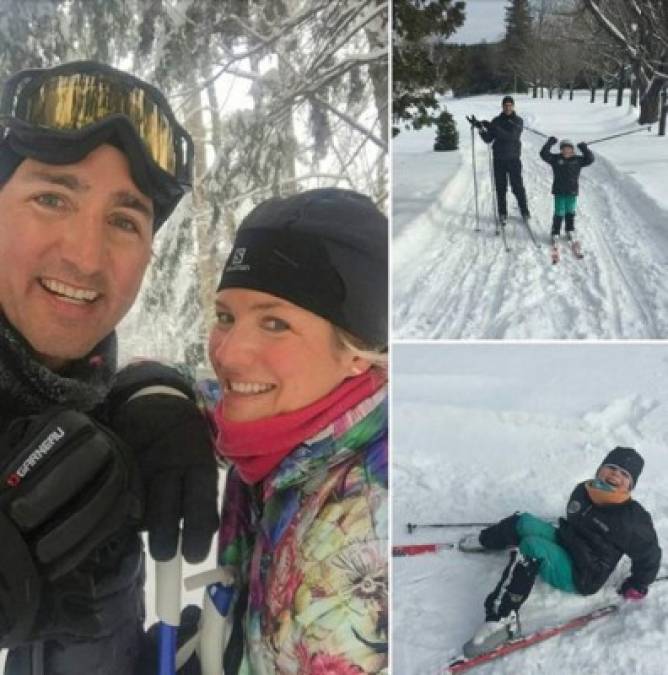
{"x": 258, "y": 447}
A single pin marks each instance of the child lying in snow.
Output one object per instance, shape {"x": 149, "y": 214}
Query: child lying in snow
{"x": 566, "y": 167}
{"x": 602, "y": 523}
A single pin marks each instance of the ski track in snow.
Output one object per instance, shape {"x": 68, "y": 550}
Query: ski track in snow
{"x": 482, "y": 431}
{"x": 453, "y": 282}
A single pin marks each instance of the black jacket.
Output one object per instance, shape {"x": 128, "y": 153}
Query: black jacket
{"x": 566, "y": 171}
{"x": 505, "y": 131}
{"x": 91, "y": 619}
{"x": 596, "y": 537}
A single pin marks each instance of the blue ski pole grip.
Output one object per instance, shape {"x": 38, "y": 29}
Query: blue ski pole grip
{"x": 221, "y": 597}
{"x": 166, "y": 650}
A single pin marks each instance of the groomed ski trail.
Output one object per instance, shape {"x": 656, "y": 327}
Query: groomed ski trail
{"x": 453, "y": 282}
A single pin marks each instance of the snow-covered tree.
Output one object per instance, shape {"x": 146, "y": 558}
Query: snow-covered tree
{"x": 419, "y": 25}
{"x": 639, "y": 31}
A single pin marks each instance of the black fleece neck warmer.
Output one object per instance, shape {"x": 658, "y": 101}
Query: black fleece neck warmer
{"x": 28, "y": 387}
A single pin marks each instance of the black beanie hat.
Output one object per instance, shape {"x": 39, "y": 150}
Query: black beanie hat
{"x": 626, "y": 458}
{"x": 324, "y": 250}
{"x": 508, "y": 99}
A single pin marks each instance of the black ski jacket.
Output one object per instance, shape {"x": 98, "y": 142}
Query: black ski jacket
{"x": 596, "y": 537}
{"x": 505, "y": 131}
{"x": 92, "y": 619}
{"x": 566, "y": 171}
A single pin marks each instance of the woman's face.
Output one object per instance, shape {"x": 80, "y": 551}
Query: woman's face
{"x": 272, "y": 357}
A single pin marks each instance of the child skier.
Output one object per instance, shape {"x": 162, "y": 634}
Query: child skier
{"x": 566, "y": 167}
{"x": 602, "y": 523}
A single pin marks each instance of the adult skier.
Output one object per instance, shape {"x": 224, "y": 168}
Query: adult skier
{"x": 504, "y": 133}
{"x": 603, "y": 522}
{"x": 299, "y": 350}
{"x": 92, "y": 162}
{"x": 566, "y": 167}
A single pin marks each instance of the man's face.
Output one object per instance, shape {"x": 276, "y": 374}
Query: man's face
{"x": 567, "y": 152}
{"x": 75, "y": 241}
{"x": 508, "y": 108}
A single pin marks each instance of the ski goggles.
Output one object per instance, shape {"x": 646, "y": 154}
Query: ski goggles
{"x": 621, "y": 470}
{"x": 73, "y": 100}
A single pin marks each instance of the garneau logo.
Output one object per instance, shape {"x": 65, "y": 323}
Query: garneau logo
{"x": 42, "y": 450}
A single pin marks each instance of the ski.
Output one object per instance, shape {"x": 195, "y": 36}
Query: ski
{"x": 502, "y": 230}
{"x": 406, "y": 550}
{"x": 577, "y": 249}
{"x": 462, "y": 664}
{"x": 554, "y": 253}
{"x": 530, "y": 231}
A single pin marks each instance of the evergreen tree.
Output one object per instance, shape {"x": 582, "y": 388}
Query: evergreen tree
{"x": 418, "y": 25}
{"x": 447, "y": 136}
{"x": 517, "y": 41}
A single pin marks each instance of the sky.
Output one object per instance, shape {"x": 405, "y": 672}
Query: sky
{"x": 484, "y": 22}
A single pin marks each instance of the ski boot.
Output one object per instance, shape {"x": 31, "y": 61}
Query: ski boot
{"x": 503, "y": 221}
{"x": 471, "y": 544}
{"x": 492, "y": 634}
{"x": 526, "y": 218}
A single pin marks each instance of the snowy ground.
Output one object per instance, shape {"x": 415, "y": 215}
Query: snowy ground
{"x": 451, "y": 282}
{"x": 480, "y": 431}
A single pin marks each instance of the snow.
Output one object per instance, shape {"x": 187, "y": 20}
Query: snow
{"x": 451, "y": 282}
{"x": 482, "y": 430}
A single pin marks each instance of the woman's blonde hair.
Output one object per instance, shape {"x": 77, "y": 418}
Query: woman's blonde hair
{"x": 377, "y": 357}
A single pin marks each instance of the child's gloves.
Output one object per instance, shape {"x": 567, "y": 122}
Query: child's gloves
{"x": 551, "y": 140}
{"x": 582, "y": 146}
{"x": 633, "y": 591}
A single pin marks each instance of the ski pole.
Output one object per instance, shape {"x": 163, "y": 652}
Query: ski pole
{"x": 471, "y": 120}
{"x": 625, "y": 133}
{"x": 168, "y": 609}
{"x": 533, "y": 131}
{"x": 411, "y": 527}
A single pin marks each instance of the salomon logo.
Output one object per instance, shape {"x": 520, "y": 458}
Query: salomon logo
{"x": 237, "y": 262}
{"x": 36, "y": 456}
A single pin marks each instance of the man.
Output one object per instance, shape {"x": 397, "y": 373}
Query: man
{"x": 504, "y": 132}
{"x": 92, "y": 163}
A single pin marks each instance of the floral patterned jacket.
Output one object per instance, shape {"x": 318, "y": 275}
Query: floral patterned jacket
{"x": 307, "y": 549}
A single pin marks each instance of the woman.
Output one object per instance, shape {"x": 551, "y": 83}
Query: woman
{"x": 299, "y": 349}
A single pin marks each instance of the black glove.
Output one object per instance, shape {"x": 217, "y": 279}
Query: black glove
{"x": 67, "y": 485}
{"x": 552, "y": 140}
{"x": 472, "y": 120}
{"x": 582, "y": 147}
{"x": 153, "y": 410}
{"x": 483, "y": 124}
{"x": 187, "y": 628}
{"x": 632, "y": 590}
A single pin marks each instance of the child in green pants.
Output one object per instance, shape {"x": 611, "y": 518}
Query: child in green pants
{"x": 566, "y": 168}
{"x": 602, "y": 524}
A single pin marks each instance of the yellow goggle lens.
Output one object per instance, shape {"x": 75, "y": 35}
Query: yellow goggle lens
{"x": 79, "y": 100}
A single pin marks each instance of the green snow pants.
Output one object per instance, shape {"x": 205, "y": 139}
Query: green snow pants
{"x": 565, "y": 204}
{"x": 538, "y": 539}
